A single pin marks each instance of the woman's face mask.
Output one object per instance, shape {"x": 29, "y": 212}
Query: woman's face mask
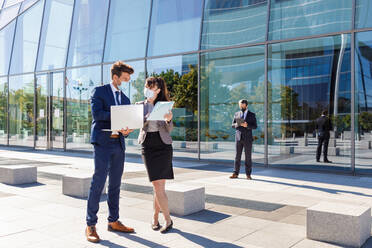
{"x": 148, "y": 93}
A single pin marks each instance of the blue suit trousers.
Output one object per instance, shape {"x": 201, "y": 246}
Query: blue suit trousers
{"x": 108, "y": 161}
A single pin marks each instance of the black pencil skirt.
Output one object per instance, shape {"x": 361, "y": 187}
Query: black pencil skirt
{"x": 157, "y": 157}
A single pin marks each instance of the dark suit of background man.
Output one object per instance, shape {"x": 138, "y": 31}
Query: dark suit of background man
{"x": 109, "y": 148}
{"x": 323, "y": 126}
{"x": 243, "y": 138}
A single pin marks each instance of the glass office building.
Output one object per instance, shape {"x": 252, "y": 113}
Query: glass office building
{"x": 291, "y": 59}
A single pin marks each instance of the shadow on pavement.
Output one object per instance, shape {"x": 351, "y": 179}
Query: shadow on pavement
{"x": 206, "y": 216}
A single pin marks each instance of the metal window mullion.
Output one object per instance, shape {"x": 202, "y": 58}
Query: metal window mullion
{"x": 352, "y": 61}
{"x": 10, "y": 63}
{"x": 352, "y": 58}
{"x": 65, "y": 79}
{"x": 71, "y": 26}
{"x": 106, "y": 28}
{"x": 199, "y": 104}
{"x": 64, "y": 110}
{"x": 266, "y": 105}
{"x": 266, "y": 88}
{"x": 201, "y": 24}
{"x": 148, "y": 37}
{"x": 35, "y": 80}
{"x": 353, "y": 14}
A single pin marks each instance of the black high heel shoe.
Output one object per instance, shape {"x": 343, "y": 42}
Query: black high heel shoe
{"x": 155, "y": 227}
{"x": 167, "y": 229}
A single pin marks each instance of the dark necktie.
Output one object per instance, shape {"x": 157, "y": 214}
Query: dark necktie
{"x": 117, "y": 97}
{"x": 242, "y": 115}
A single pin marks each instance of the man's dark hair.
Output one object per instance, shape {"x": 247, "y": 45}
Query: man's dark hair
{"x": 118, "y": 67}
{"x": 243, "y": 101}
{"x": 325, "y": 112}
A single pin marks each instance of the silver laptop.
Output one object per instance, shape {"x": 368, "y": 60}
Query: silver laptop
{"x": 123, "y": 116}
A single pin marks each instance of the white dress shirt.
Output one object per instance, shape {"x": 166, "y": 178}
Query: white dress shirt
{"x": 113, "y": 92}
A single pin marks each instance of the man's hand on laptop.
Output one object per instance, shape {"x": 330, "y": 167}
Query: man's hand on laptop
{"x": 126, "y": 131}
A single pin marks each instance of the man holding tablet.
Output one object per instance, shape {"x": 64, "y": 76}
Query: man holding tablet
{"x": 109, "y": 151}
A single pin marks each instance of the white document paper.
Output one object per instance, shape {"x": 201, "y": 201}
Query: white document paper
{"x": 123, "y": 116}
{"x": 160, "y": 109}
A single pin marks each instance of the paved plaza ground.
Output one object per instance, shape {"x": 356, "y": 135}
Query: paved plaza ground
{"x": 269, "y": 211}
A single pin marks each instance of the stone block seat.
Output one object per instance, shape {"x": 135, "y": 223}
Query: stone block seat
{"x": 77, "y": 184}
{"x": 185, "y": 199}
{"x": 18, "y": 174}
{"x": 341, "y": 224}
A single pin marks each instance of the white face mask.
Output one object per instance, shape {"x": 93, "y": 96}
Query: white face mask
{"x": 148, "y": 93}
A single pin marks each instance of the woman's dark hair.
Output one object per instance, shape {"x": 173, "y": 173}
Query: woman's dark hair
{"x": 160, "y": 83}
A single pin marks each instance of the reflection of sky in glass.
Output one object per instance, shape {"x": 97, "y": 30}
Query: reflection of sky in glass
{"x": 294, "y": 18}
{"x": 175, "y": 26}
{"x": 228, "y": 23}
{"x": 8, "y": 14}
{"x": 6, "y": 38}
{"x": 363, "y": 17}
{"x": 88, "y": 32}
{"x": 127, "y": 30}
{"x": 26, "y": 40}
{"x": 56, "y": 29}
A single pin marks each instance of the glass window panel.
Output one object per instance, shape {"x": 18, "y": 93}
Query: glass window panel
{"x": 21, "y": 110}
{"x": 363, "y": 106}
{"x": 49, "y": 110}
{"x": 228, "y": 23}
{"x": 133, "y": 90}
{"x": 55, "y": 34}
{"x": 11, "y": 2}
{"x": 27, "y": 4}
{"x": 6, "y": 40}
{"x": 226, "y": 77}
{"x": 181, "y": 76}
{"x": 88, "y": 32}
{"x": 127, "y": 41}
{"x": 363, "y": 18}
{"x": 175, "y": 26}
{"x": 3, "y": 110}
{"x": 294, "y": 108}
{"x": 79, "y": 86}
{"x": 295, "y": 18}
{"x": 8, "y": 14}
{"x": 26, "y": 40}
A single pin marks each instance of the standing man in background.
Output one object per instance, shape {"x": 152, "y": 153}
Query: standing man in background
{"x": 244, "y": 121}
{"x": 323, "y": 126}
{"x": 109, "y": 151}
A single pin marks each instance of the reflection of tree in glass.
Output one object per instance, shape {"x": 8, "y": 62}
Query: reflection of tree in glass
{"x": 365, "y": 121}
{"x": 183, "y": 89}
{"x": 289, "y": 108}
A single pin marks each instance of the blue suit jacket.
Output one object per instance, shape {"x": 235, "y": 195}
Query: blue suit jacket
{"x": 101, "y": 102}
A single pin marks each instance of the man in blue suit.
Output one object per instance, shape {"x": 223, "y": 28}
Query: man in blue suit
{"x": 244, "y": 121}
{"x": 109, "y": 151}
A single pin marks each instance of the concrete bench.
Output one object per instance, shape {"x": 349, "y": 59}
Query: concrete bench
{"x": 78, "y": 184}
{"x": 286, "y": 149}
{"x": 346, "y": 225}
{"x": 184, "y": 199}
{"x": 18, "y": 174}
{"x": 333, "y": 151}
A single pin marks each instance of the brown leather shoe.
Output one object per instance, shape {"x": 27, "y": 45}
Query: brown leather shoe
{"x": 233, "y": 176}
{"x": 91, "y": 234}
{"x": 117, "y": 226}
{"x": 249, "y": 177}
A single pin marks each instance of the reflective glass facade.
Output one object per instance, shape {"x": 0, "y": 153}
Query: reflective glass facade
{"x": 290, "y": 59}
